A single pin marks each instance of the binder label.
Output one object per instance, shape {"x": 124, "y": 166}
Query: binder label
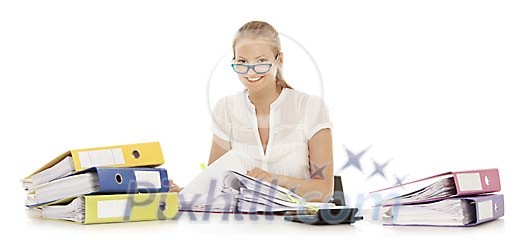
{"x": 485, "y": 210}
{"x": 106, "y": 157}
{"x": 469, "y": 182}
{"x": 111, "y": 208}
{"x": 148, "y": 179}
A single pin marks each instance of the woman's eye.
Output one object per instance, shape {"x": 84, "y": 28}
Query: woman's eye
{"x": 261, "y": 61}
{"x": 241, "y": 61}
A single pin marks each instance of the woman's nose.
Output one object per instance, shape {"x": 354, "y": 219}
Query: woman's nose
{"x": 251, "y": 72}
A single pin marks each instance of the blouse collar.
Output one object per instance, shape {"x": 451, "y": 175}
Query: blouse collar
{"x": 275, "y": 104}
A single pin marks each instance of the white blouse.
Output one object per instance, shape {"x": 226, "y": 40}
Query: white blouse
{"x": 294, "y": 118}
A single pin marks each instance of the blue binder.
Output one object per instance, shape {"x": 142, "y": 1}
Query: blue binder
{"x": 118, "y": 180}
{"x": 101, "y": 180}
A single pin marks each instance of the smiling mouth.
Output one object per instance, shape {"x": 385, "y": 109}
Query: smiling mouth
{"x": 254, "y": 79}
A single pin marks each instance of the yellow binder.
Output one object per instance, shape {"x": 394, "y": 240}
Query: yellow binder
{"x": 129, "y": 155}
{"x": 94, "y": 209}
{"x": 130, "y": 207}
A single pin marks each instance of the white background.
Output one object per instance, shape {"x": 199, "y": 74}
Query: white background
{"x": 433, "y": 85}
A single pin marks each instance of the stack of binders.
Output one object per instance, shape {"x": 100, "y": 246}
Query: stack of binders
{"x": 101, "y": 185}
{"x": 463, "y": 198}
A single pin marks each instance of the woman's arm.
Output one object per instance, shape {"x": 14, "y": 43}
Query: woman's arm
{"x": 219, "y": 146}
{"x": 320, "y": 185}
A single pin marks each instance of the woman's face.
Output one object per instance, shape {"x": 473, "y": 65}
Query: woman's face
{"x": 252, "y": 52}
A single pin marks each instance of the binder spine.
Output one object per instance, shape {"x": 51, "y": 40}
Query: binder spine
{"x": 132, "y": 180}
{"x": 130, "y": 155}
{"x": 489, "y": 208}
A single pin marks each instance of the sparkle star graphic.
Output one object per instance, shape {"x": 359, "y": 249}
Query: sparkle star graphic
{"x": 378, "y": 169}
{"x": 399, "y": 181}
{"x": 318, "y": 170}
{"x": 293, "y": 188}
{"x": 353, "y": 159}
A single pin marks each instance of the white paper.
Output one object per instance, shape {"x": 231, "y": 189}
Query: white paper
{"x": 215, "y": 172}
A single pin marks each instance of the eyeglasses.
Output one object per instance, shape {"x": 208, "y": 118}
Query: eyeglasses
{"x": 257, "y": 68}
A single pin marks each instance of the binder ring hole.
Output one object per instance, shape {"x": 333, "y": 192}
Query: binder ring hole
{"x": 118, "y": 178}
{"x": 162, "y": 206}
{"x": 487, "y": 180}
{"x": 135, "y": 154}
{"x": 496, "y": 208}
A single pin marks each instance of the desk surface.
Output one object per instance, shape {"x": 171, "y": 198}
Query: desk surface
{"x": 257, "y": 232}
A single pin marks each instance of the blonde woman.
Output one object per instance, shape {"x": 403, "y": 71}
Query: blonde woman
{"x": 283, "y": 134}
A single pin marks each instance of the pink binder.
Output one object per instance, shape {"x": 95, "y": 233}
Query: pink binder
{"x": 466, "y": 183}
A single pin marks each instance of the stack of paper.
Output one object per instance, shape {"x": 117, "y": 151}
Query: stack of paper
{"x": 261, "y": 196}
{"x": 224, "y": 187}
{"x": 100, "y": 185}
{"x": 212, "y": 190}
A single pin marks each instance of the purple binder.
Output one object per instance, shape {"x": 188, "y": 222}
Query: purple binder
{"x": 494, "y": 202}
{"x": 485, "y": 208}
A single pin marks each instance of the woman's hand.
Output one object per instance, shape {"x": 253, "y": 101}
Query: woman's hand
{"x": 259, "y": 173}
{"x": 174, "y": 187}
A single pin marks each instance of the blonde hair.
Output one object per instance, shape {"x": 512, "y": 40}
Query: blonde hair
{"x": 263, "y": 30}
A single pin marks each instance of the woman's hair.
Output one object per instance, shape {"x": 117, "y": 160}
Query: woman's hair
{"x": 263, "y": 30}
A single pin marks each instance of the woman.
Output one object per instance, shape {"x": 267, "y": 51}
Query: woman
{"x": 282, "y": 134}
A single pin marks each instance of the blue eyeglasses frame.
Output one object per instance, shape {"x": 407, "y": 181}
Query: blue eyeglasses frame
{"x": 255, "y": 65}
